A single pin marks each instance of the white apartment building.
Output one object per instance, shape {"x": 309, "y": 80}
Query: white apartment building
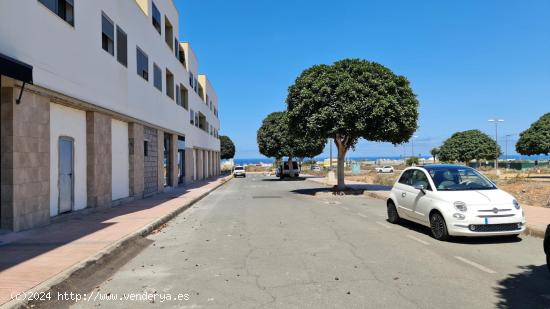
{"x": 101, "y": 103}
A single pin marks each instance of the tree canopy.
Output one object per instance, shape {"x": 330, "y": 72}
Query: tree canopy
{"x": 349, "y": 100}
{"x": 468, "y": 145}
{"x": 536, "y": 139}
{"x": 227, "y": 148}
{"x": 276, "y": 139}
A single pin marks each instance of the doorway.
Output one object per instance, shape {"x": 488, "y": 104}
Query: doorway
{"x": 66, "y": 174}
{"x": 181, "y": 160}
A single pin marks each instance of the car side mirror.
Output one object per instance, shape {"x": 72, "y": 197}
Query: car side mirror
{"x": 420, "y": 187}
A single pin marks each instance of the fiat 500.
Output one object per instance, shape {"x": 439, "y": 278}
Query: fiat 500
{"x": 454, "y": 200}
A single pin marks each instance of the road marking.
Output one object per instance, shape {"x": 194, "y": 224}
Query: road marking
{"x": 361, "y": 215}
{"x": 476, "y": 265}
{"x": 418, "y": 240}
{"x": 383, "y": 224}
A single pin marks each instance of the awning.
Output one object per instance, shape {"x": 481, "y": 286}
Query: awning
{"x": 15, "y": 69}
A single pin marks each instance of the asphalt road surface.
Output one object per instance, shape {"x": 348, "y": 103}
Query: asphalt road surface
{"x": 262, "y": 243}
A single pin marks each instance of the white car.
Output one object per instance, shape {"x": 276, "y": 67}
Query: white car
{"x": 454, "y": 200}
{"x": 385, "y": 169}
{"x": 315, "y": 168}
{"x": 239, "y": 171}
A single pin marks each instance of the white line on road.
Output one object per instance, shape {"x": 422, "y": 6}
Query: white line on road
{"x": 418, "y": 239}
{"x": 361, "y": 215}
{"x": 383, "y": 224}
{"x": 476, "y": 265}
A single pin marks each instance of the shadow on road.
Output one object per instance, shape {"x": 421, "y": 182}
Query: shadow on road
{"x": 284, "y": 179}
{"x": 529, "y": 288}
{"x": 418, "y": 228}
{"x": 352, "y": 189}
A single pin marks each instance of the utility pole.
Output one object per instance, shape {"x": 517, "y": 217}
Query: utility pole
{"x": 412, "y": 144}
{"x": 506, "y": 147}
{"x": 496, "y": 121}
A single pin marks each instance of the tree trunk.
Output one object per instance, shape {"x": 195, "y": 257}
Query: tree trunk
{"x": 341, "y": 172}
{"x": 290, "y": 174}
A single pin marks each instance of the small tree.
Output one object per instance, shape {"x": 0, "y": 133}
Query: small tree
{"x": 349, "y": 100}
{"x": 276, "y": 139}
{"x": 227, "y": 148}
{"x": 467, "y": 146}
{"x": 435, "y": 153}
{"x": 412, "y": 161}
{"x": 536, "y": 139}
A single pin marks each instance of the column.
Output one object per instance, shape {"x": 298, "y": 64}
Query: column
{"x": 160, "y": 160}
{"x": 98, "y": 145}
{"x": 136, "y": 153}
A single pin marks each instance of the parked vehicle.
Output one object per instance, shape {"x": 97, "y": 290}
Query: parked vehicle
{"x": 284, "y": 171}
{"x": 547, "y": 246}
{"x": 239, "y": 171}
{"x": 385, "y": 169}
{"x": 315, "y": 168}
{"x": 454, "y": 200}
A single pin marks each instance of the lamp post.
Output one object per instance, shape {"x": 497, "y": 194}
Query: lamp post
{"x": 412, "y": 144}
{"x": 496, "y": 121}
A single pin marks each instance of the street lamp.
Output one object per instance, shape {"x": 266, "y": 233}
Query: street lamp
{"x": 412, "y": 144}
{"x": 496, "y": 121}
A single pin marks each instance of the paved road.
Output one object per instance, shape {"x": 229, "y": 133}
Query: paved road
{"x": 262, "y": 243}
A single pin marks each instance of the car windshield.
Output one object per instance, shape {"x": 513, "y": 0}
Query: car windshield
{"x": 239, "y": 168}
{"x": 457, "y": 178}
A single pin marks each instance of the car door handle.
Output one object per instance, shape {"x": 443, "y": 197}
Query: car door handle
{"x": 403, "y": 194}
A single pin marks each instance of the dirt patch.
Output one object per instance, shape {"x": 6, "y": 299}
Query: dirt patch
{"x": 375, "y": 178}
{"x": 533, "y": 193}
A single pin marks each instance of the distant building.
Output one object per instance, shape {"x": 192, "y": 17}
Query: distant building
{"x": 112, "y": 107}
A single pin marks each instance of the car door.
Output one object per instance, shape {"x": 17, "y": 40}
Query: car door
{"x": 402, "y": 192}
{"x": 421, "y": 201}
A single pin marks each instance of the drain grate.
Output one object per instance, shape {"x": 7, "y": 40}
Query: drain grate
{"x": 266, "y": 196}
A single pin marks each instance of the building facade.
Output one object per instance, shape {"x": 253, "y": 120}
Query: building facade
{"x": 101, "y": 103}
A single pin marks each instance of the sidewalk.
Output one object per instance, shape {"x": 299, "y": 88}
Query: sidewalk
{"x": 537, "y": 217}
{"x": 39, "y": 257}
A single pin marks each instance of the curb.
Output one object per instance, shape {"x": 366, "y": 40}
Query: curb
{"x": 111, "y": 250}
{"x": 529, "y": 230}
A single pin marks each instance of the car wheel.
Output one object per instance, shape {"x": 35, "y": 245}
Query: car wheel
{"x": 393, "y": 215}
{"x": 439, "y": 227}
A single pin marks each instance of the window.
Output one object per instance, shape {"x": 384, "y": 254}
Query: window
{"x": 184, "y": 97}
{"x": 195, "y": 83}
{"x": 176, "y": 48}
{"x": 157, "y": 77}
{"x": 145, "y": 148}
{"x": 192, "y": 117}
{"x": 121, "y": 46}
{"x": 142, "y": 64}
{"x": 62, "y": 8}
{"x": 406, "y": 177}
{"x": 178, "y": 99}
{"x": 197, "y": 119}
{"x": 182, "y": 58}
{"x": 191, "y": 80}
{"x": 168, "y": 33}
{"x": 169, "y": 84}
{"x": 108, "y": 35}
{"x": 201, "y": 93}
{"x": 156, "y": 18}
{"x": 420, "y": 178}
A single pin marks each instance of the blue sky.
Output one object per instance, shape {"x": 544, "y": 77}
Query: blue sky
{"x": 467, "y": 61}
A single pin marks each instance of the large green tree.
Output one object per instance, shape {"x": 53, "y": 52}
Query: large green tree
{"x": 227, "y": 148}
{"x": 536, "y": 139}
{"x": 349, "y": 100}
{"x": 276, "y": 139}
{"x": 468, "y": 145}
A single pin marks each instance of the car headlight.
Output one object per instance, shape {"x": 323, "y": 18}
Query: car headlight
{"x": 516, "y": 204}
{"x": 460, "y": 206}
